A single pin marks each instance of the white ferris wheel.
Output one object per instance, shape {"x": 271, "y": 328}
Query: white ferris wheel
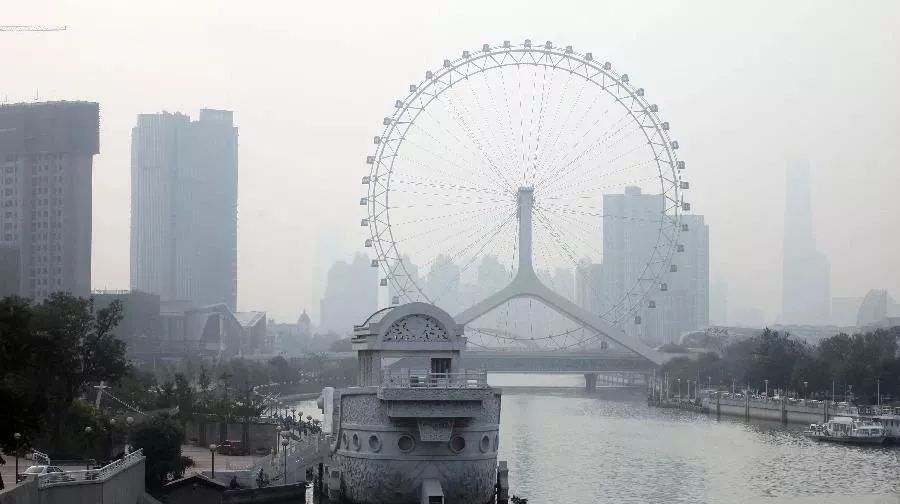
{"x": 494, "y": 181}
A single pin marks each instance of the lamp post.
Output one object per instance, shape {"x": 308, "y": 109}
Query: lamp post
{"x": 88, "y": 430}
{"x": 679, "y": 388}
{"x": 878, "y": 393}
{"x": 767, "y": 390}
{"x": 805, "y": 396}
{"x": 212, "y": 453}
{"x": 284, "y": 444}
{"x": 129, "y": 421}
{"x": 17, "y": 437}
{"x": 112, "y": 426}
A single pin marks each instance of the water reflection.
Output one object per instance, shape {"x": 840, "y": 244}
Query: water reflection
{"x": 564, "y": 445}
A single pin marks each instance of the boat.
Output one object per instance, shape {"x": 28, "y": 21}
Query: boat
{"x": 848, "y": 430}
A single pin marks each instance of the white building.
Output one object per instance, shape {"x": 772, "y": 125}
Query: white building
{"x": 184, "y": 207}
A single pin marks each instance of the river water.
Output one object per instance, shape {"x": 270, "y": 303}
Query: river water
{"x": 566, "y": 445}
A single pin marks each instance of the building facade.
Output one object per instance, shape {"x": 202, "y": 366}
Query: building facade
{"x": 630, "y": 234}
{"x": 46, "y": 160}
{"x": 184, "y": 207}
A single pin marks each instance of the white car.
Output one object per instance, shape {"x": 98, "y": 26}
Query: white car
{"x": 55, "y": 474}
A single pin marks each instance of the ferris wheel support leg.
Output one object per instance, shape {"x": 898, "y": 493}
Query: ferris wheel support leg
{"x": 528, "y": 286}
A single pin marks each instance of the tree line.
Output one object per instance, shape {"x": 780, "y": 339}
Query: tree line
{"x": 843, "y": 364}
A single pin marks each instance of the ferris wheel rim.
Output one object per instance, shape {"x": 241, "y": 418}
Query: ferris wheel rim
{"x": 390, "y": 258}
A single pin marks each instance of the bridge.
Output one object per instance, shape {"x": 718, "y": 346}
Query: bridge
{"x": 612, "y": 367}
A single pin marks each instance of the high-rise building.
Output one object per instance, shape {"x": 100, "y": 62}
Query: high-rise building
{"x": 184, "y": 207}
{"x": 46, "y": 158}
{"x": 351, "y": 295}
{"x": 806, "y": 285}
{"x": 630, "y": 234}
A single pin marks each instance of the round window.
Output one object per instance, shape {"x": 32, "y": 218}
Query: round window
{"x": 374, "y": 443}
{"x": 457, "y": 444}
{"x": 356, "y": 443}
{"x": 485, "y": 443}
{"x": 406, "y": 443}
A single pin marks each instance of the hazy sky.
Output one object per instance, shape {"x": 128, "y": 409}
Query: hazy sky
{"x": 744, "y": 87}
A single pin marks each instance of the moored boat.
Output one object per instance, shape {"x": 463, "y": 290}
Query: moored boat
{"x": 848, "y": 430}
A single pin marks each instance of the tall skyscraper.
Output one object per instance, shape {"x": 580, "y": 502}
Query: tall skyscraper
{"x": 46, "y": 154}
{"x": 630, "y": 232}
{"x": 184, "y": 207}
{"x": 806, "y": 287}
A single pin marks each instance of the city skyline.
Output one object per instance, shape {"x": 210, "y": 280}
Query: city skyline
{"x": 298, "y": 216}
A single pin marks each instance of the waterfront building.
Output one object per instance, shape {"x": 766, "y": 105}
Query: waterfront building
{"x": 806, "y": 284}
{"x": 423, "y": 429}
{"x": 184, "y": 207}
{"x": 46, "y": 160}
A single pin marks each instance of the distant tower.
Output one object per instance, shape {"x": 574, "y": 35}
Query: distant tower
{"x": 304, "y": 326}
{"x": 46, "y": 159}
{"x": 806, "y": 289}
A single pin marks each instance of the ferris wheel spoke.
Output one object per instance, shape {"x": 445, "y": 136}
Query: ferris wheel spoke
{"x": 582, "y": 228}
{"x": 503, "y": 151}
{"x": 479, "y": 244}
{"x": 439, "y": 243}
{"x": 474, "y": 149}
{"x": 446, "y": 186}
{"x": 580, "y": 192}
{"x": 564, "y": 247}
{"x": 508, "y": 147}
{"x": 562, "y": 126}
{"x": 585, "y": 157}
{"x": 451, "y": 161}
{"x": 489, "y": 162}
{"x": 540, "y": 115}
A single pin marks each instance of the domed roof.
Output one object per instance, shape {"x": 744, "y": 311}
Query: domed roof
{"x": 304, "y": 318}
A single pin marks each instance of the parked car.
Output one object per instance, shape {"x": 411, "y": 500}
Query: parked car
{"x": 54, "y": 473}
{"x": 231, "y": 447}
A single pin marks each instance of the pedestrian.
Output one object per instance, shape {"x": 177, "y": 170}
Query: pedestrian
{"x": 233, "y": 485}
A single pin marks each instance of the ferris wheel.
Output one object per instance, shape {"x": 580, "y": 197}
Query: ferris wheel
{"x": 529, "y": 125}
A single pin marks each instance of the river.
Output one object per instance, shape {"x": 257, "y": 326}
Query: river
{"x": 564, "y": 444}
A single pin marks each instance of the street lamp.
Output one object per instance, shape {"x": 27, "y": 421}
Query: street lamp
{"x": 212, "y": 453}
{"x": 878, "y": 392}
{"x": 17, "y": 437}
{"x": 805, "y": 396}
{"x": 87, "y": 448}
{"x": 129, "y": 421}
{"x": 284, "y": 444}
{"x": 767, "y": 390}
{"x": 112, "y": 426}
{"x": 679, "y": 388}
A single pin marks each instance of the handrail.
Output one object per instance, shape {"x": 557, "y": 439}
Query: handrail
{"x": 102, "y": 473}
{"x": 408, "y": 378}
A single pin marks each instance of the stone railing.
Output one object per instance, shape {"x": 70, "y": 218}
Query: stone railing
{"x": 407, "y": 378}
{"x": 104, "y": 472}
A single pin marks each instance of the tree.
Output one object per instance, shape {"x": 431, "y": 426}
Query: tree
{"x": 79, "y": 342}
{"x": 160, "y": 437}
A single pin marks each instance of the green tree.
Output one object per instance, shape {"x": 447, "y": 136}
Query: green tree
{"x": 160, "y": 437}
{"x": 79, "y": 342}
